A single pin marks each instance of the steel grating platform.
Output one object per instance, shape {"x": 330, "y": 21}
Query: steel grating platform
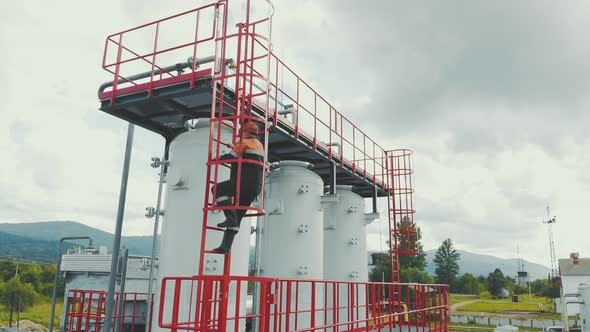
{"x": 173, "y": 102}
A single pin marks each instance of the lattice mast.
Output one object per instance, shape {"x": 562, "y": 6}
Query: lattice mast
{"x": 550, "y": 221}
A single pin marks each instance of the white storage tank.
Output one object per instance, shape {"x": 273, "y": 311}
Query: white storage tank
{"x": 180, "y": 240}
{"x": 345, "y": 255}
{"x": 291, "y": 245}
{"x": 584, "y": 297}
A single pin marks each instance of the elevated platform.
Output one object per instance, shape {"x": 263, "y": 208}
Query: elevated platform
{"x": 173, "y": 102}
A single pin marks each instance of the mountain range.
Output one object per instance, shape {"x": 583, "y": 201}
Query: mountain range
{"x": 478, "y": 264}
{"x": 38, "y": 242}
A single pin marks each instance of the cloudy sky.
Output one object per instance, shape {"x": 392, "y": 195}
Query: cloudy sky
{"x": 490, "y": 95}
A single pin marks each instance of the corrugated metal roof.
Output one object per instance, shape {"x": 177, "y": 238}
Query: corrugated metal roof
{"x": 568, "y": 268}
{"x": 137, "y": 266}
{"x": 86, "y": 263}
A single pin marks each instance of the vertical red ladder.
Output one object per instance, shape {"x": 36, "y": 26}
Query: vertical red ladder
{"x": 250, "y": 89}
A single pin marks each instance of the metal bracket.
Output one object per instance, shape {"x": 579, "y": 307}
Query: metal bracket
{"x": 353, "y": 209}
{"x": 330, "y": 199}
{"x": 302, "y": 270}
{"x": 303, "y": 228}
{"x": 370, "y": 217}
{"x": 329, "y": 223}
{"x": 274, "y": 207}
{"x": 151, "y": 212}
{"x": 211, "y": 264}
{"x": 156, "y": 162}
{"x": 304, "y": 189}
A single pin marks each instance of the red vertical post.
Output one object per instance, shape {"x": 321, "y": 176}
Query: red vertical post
{"x": 193, "y": 66}
{"x": 117, "y": 69}
{"x": 151, "y": 85}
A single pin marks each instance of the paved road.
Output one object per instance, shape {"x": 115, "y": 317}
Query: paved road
{"x": 455, "y": 306}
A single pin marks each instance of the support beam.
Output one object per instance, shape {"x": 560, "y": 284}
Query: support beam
{"x": 110, "y": 303}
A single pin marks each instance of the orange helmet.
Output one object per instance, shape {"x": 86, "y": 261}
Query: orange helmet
{"x": 250, "y": 127}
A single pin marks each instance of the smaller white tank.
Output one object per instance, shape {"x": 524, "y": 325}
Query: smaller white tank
{"x": 345, "y": 253}
{"x": 293, "y": 231}
{"x": 292, "y": 240}
{"x": 584, "y": 297}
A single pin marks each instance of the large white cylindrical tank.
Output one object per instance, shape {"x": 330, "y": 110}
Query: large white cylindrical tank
{"x": 293, "y": 236}
{"x": 584, "y": 297}
{"x": 345, "y": 256}
{"x": 180, "y": 239}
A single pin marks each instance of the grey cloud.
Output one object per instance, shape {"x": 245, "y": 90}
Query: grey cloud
{"x": 418, "y": 61}
{"x": 18, "y": 132}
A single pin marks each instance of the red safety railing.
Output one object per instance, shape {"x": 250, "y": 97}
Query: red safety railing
{"x": 300, "y": 305}
{"x": 202, "y": 36}
{"x": 85, "y": 311}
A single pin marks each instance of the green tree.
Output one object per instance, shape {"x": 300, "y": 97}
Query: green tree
{"x": 411, "y": 261}
{"x": 541, "y": 287}
{"x": 496, "y": 282}
{"x": 413, "y": 274}
{"x": 31, "y": 274}
{"x": 447, "y": 259}
{"x": 7, "y": 269}
{"x": 411, "y": 266}
{"x": 24, "y": 291}
{"x": 519, "y": 289}
{"x": 382, "y": 269}
{"x": 468, "y": 284}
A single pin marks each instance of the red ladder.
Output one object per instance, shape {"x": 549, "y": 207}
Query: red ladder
{"x": 251, "y": 87}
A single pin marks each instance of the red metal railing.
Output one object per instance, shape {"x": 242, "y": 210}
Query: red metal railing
{"x": 148, "y": 48}
{"x": 85, "y": 311}
{"x": 301, "y": 305}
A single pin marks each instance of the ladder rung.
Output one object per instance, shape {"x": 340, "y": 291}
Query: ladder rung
{"x": 214, "y": 228}
{"x": 214, "y": 252}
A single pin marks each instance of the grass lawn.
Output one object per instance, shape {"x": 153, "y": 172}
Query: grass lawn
{"x": 499, "y": 305}
{"x": 39, "y": 313}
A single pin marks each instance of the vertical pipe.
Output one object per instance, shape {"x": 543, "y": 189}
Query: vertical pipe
{"x": 121, "y": 307}
{"x": 20, "y": 296}
{"x": 118, "y": 228}
{"x": 11, "y": 308}
{"x": 56, "y": 275}
{"x": 332, "y": 178}
{"x": 155, "y": 243}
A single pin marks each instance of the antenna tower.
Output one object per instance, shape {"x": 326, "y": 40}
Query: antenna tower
{"x": 550, "y": 221}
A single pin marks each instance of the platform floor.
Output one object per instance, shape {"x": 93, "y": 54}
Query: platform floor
{"x": 174, "y": 102}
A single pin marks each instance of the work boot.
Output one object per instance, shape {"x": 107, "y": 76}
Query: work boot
{"x": 229, "y": 222}
{"x": 231, "y": 219}
{"x": 228, "y": 239}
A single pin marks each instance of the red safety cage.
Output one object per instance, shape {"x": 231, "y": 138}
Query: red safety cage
{"x": 403, "y": 231}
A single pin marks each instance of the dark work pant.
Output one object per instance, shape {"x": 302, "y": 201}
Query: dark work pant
{"x": 248, "y": 193}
